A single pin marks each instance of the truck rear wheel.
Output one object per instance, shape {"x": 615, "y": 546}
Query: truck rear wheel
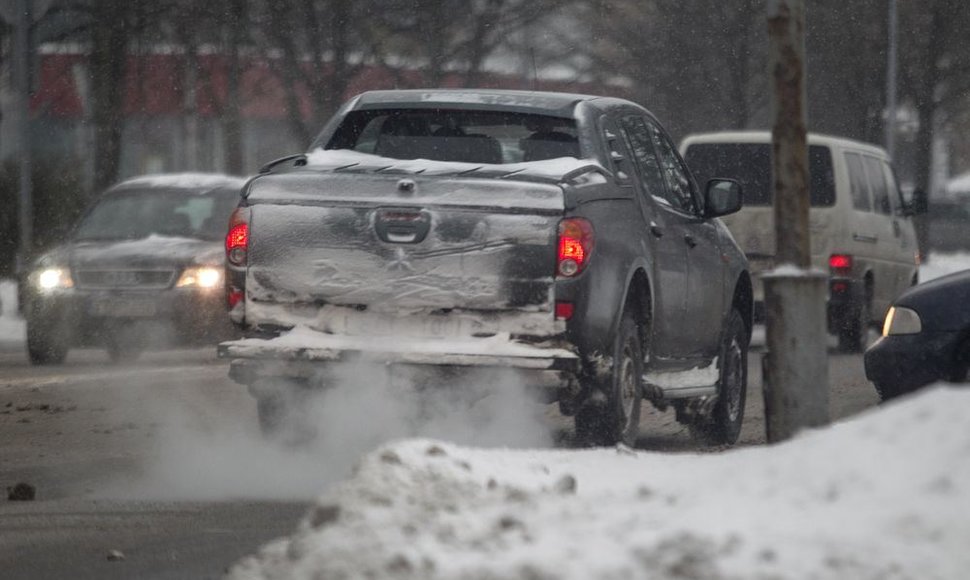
{"x": 283, "y": 415}
{"x": 617, "y": 419}
{"x": 723, "y": 425}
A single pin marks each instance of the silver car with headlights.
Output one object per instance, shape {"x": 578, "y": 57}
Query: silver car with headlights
{"x": 142, "y": 269}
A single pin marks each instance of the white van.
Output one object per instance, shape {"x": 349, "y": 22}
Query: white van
{"x": 861, "y": 231}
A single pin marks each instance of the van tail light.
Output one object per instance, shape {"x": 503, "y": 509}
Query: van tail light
{"x": 840, "y": 263}
{"x": 575, "y": 246}
{"x": 237, "y": 239}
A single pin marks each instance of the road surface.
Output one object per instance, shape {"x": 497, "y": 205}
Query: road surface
{"x": 160, "y": 463}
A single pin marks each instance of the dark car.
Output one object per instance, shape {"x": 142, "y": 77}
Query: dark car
{"x": 142, "y": 268}
{"x": 926, "y": 338}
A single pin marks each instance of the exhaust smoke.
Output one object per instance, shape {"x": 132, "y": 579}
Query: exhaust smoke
{"x": 208, "y": 450}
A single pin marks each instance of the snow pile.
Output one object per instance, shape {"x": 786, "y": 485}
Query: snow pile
{"x": 882, "y": 496}
{"x": 942, "y": 264}
{"x": 12, "y": 327}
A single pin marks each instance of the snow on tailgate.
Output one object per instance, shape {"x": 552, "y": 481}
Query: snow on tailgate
{"x": 306, "y": 344}
{"x": 882, "y": 496}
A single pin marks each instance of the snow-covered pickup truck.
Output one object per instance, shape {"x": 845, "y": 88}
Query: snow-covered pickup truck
{"x": 559, "y": 235}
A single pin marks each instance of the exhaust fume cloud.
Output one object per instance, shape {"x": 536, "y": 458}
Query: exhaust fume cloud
{"x": 209, "y": 452}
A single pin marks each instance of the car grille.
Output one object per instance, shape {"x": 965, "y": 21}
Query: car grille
{"x": 143, "y": 279}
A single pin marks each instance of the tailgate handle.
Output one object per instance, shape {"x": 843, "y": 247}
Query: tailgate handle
{"x": 402, "y": 226}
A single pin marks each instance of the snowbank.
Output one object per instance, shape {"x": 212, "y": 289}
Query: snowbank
{"x": 882, "y": 496}
{"x": 942, "y": 264}
{"x": 12, "y": 327}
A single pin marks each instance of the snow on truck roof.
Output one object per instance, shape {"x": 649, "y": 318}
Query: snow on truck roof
{"x": 559, "y": 169}
{"x": 533, "y": 101}
{"x": 201, "y": 181}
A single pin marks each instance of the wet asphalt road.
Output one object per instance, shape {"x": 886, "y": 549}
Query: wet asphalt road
{"x": 96, "y": 441}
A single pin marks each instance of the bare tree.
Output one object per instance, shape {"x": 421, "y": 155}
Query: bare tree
{"x": 317, "y": 48}
{"x": 699, "y": 67}
{"x": 935, "y": 71}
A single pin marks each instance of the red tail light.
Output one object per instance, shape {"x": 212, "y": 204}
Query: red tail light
{"x": 840, "y": 263}
{"x": 233, "y": 297}
{"x": 564, "y": 310}
{"x": 237, "y": 240}
{"x": 575, "y": 246}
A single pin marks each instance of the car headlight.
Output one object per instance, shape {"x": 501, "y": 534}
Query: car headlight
{"x": 902, "y": 320}
{"x": 200, "y": 277}
{"x": 51, "y": 278}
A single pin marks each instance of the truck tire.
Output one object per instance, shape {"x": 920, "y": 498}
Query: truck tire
{"x": 617, "y": 419}
{"x": 723, "y": 425}
{"x": 283, "y": 417}
{"x": 271, "y": 412}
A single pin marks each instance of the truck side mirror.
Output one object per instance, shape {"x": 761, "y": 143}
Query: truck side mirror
{"x": 722, "y": 197}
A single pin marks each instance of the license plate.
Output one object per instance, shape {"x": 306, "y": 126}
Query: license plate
{"x": 363, "y": 324}
{"x": 124, "y": 308}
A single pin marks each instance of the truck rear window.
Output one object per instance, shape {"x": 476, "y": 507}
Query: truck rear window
{"x": 469, "y": 136}
{"x": 750, "y": 164}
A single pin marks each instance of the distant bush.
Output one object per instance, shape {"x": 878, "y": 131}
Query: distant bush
{"x": 59, "y": 197}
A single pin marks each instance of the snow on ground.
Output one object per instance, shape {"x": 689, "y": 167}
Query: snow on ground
{"x": 884, "y": 495}
{"x": 12, "y": 328}
{"x": 942, "y": 264}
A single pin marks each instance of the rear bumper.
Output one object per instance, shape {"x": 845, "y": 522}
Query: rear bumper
{"x": 302, "y": 354}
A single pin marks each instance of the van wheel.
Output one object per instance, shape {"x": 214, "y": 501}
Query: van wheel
{"x": 617, "y": 419}
{"x": 853, "y": 333}
{"x": 723, "y": 425}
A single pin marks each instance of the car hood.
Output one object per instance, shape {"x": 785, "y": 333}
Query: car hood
{"x": 941, "y": 303}
{"x": 153, "y": 252}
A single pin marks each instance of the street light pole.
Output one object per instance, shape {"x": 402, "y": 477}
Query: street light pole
{"x": 891, "y": 69}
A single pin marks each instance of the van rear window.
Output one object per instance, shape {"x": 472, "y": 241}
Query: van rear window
{"x": 750, "y": 164}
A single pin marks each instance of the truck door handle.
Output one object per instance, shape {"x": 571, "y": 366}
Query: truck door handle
{"x": 690, "y": 240}
{"x": 656, "y": 230}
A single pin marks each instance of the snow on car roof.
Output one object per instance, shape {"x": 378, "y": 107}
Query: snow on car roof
{"x": 881, "y": 495}
{"x": 187, "y": 180}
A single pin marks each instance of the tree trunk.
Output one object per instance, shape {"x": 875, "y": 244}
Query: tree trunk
{"x": 232, "y": 115}
{"x": 110, "y": 37}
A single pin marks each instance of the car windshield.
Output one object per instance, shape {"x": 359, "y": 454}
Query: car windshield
{"x": 457, "y": 135}
{"x": 140, "y": 213}
{"x": 750, "y": 164}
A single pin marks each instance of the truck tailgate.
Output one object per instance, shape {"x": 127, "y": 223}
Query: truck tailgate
{"x": 359, "y": 253}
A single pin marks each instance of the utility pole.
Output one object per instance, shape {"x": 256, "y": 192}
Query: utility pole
{"x": 891, "y": 68}
{"x": 796, "y": 364}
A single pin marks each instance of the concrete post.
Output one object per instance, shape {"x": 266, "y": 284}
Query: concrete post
{"x": 796, "y": 364}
